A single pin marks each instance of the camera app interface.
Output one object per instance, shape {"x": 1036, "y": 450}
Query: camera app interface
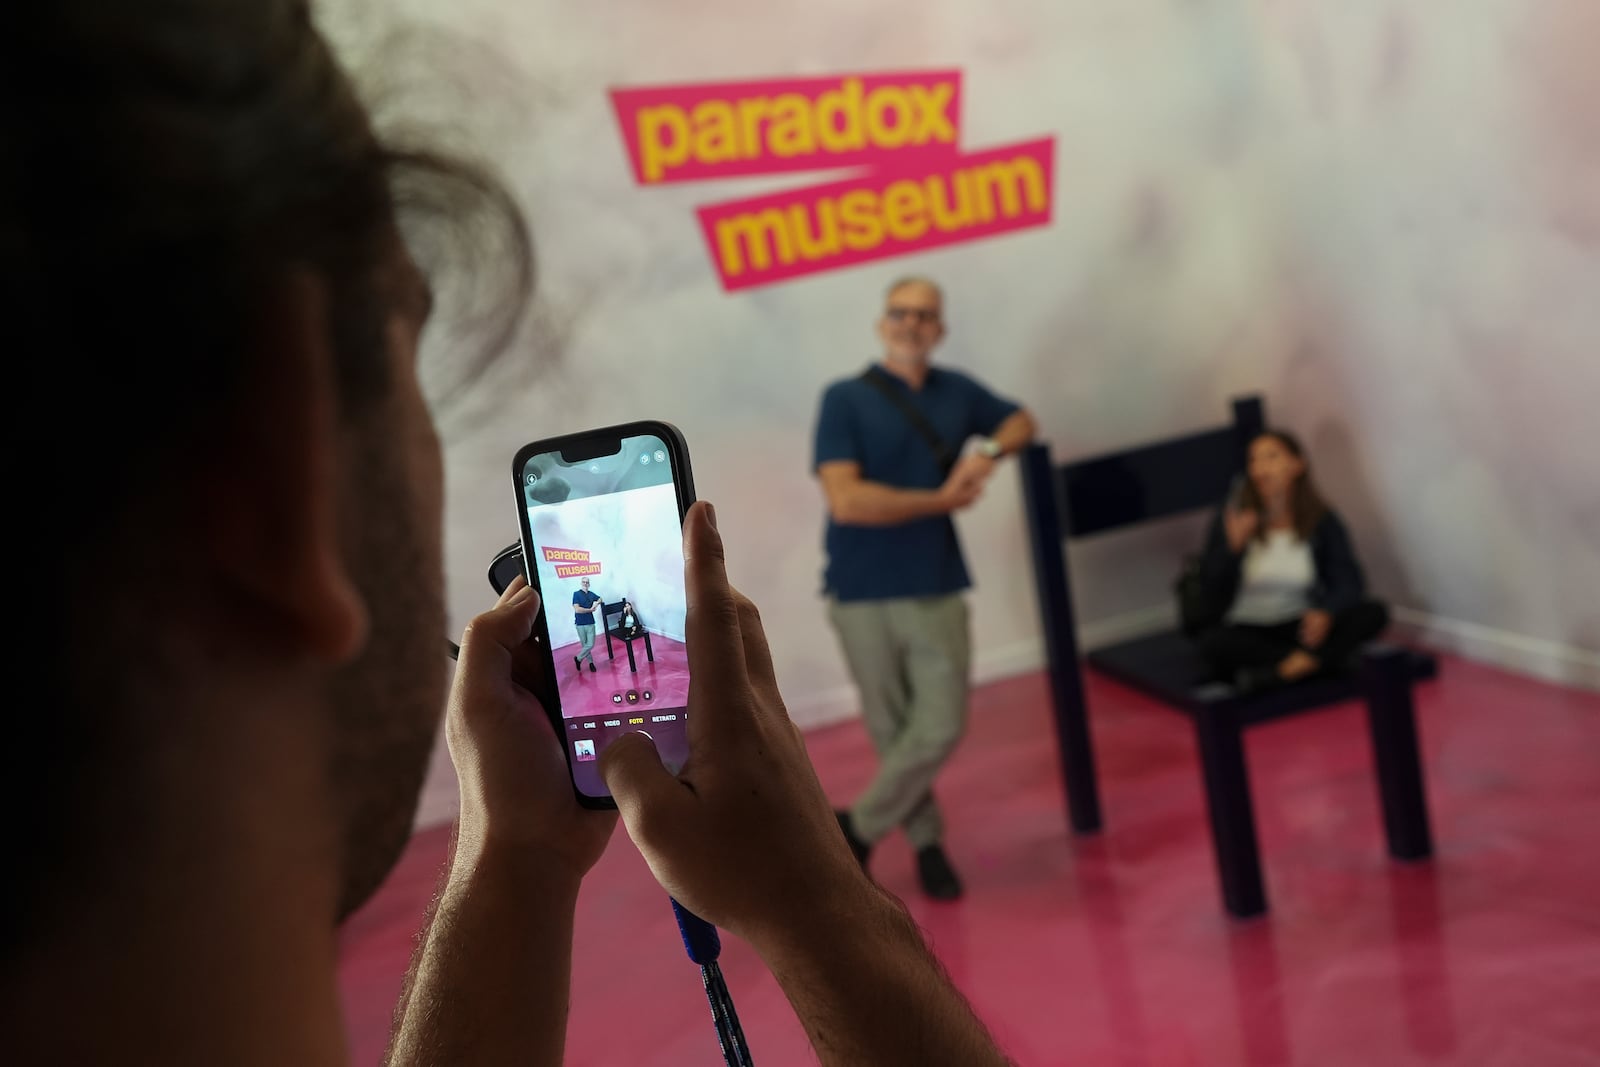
{"x": 608, "y": 549}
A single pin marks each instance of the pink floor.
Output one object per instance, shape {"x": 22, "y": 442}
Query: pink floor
{"x": 1115, "y": 950}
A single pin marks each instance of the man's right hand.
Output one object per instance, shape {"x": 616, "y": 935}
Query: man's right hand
{"x": 961, "y": 490}
{"x": 744, "y": 836}
{"x": 974, "y": 467}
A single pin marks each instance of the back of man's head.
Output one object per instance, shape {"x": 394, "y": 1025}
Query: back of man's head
{"x": 168, "y": 165}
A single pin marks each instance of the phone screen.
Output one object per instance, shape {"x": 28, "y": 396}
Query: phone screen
{"x": 604, "y": 541}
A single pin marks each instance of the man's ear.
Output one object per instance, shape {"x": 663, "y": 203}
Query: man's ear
{"x": 273, "y": 524}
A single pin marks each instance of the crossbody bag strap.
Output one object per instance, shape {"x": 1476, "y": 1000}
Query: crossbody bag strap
{"x": 941, "y": 451}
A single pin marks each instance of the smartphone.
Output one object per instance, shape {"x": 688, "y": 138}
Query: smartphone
{"x": 602, "y": 540}
{"x": 1236, "y": 492}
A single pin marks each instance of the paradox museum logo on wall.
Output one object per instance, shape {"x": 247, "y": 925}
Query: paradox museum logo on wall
{"x": 571, "y": 562}
{"x": 909, "y": 186}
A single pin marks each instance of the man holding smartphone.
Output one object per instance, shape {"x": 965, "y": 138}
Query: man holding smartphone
{"x": 888, "y": 453}
{"x": 237, "y": 673}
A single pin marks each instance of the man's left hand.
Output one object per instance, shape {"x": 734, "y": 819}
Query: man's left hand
{"x": 515, "y": 787}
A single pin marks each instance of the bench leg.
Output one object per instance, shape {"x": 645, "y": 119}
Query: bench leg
{"x": 1396, "y": 755}
{"x": 1076, "y": 755}
{"x": 1233, "y": 820}
{"x": 1047, "y": 527}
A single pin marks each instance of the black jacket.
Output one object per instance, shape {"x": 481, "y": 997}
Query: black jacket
{"x": 1339, "y": 583}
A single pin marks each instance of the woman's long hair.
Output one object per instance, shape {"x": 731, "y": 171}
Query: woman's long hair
{"x": 1305, "y": 503}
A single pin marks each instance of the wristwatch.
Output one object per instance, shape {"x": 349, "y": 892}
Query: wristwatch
{"x": 991, "y": 448}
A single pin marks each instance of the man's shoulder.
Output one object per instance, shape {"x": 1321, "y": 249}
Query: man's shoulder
{"x": 850, "y": 385}
{"x": 951, "y": 378}
{"x": 847, "y": 400}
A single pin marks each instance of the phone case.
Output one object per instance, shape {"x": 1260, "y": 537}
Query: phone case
{"x": 512, "y": 560}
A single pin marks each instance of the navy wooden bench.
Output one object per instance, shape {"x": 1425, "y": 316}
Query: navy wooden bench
{"x": 1104, "y": 493}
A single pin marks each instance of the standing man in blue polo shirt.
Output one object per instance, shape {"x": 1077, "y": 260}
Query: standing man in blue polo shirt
{"x": 892, "y": 456}
{"x": 583, "y": 602}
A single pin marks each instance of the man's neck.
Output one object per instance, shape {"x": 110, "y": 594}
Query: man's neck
{"x": 913, "y": 372}
{"x": 209, "y": 940}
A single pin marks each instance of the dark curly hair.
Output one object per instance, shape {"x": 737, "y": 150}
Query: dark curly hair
{"x": 163, "y": 162}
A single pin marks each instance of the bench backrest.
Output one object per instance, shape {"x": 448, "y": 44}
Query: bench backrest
{"x": 1103, "y": 493}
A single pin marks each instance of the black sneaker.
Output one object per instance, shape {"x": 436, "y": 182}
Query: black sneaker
{"x": 592, "y": 667}
{"x": 577, "y": 661}
{"x": 861, "y": 849}
{"x": 939, "y": 879}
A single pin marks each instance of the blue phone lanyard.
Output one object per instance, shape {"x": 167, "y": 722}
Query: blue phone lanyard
{"x": 701, "y": 942}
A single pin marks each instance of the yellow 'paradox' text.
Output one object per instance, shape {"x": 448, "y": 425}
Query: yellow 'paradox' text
{"x": 792, "y": 125}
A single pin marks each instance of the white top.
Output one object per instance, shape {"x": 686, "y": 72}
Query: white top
{"x": 1275, "y": 581}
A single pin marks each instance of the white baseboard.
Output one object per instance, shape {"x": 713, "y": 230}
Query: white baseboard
{"x": 1549, "y": 661}
{"x": 992, "y": 665}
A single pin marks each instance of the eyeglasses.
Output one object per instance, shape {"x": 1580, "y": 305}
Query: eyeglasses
{"x": 918, "y": 316}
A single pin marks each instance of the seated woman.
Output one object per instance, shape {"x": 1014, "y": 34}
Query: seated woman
{"x": 1282, "y": 578}
{"x": 628, "y": 624}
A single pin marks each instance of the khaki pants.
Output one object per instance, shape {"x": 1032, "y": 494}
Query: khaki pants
{"x": 909, "y": 658}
